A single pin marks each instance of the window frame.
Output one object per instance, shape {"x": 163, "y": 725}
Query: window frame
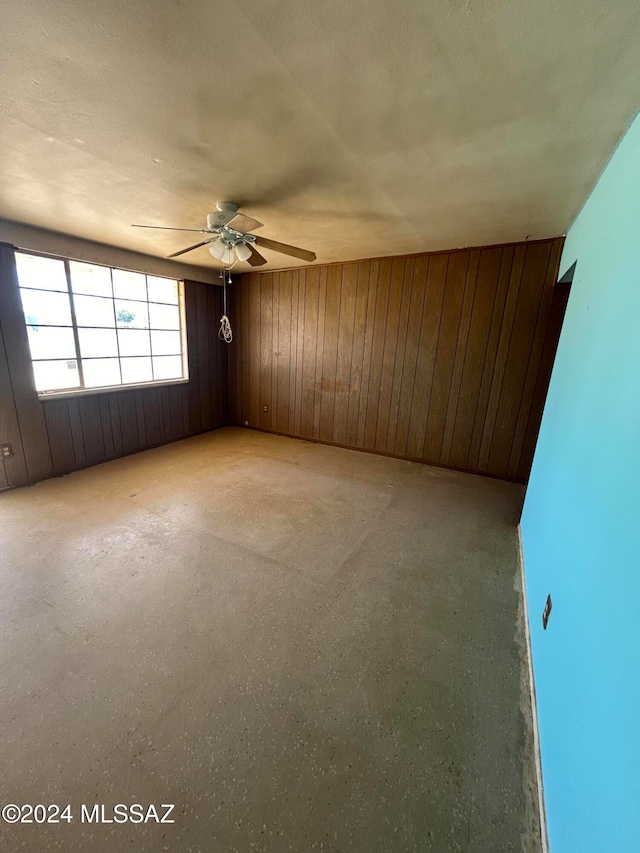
{"x": 65, "y": 393}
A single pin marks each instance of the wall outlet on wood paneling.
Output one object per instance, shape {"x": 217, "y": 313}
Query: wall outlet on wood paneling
{"x": 265, "y": 408}
{"x": 6, "y": 451}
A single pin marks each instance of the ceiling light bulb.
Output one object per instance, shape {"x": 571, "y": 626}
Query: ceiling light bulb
{"x": 243, "y": 251}
{"x": 216, "y": 248}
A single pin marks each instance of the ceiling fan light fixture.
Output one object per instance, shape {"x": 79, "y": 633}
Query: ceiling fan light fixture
{"x": 222, "y": 251}
{"x": 243, "y": 251}
{"x": 228, "y": 257}
{"x": 217, "y": 248}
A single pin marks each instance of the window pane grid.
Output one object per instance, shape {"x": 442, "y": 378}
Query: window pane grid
{"x": 115, "y": 323}
{"x": 44, "y": 289}
{"x": 67, "y": 272}
{"x": 80, "y": 341}
{"x": 105, "y": 357}
{"x": 89, "y": 326}
{"x": 153, "y": 373}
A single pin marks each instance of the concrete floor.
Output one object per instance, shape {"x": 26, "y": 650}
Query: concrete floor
{"x": 302, "y": 647}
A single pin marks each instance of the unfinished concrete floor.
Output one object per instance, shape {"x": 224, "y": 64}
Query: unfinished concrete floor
{"x": 302, "y": 647}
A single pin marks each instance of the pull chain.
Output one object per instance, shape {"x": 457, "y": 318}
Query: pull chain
{"x": 224, "y": 332}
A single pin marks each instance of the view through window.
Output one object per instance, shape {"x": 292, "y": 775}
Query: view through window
{"x": 92, "y": 326}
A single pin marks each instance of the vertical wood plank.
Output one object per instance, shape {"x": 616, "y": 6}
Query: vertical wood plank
{"x": 344, "y": 352}
{"x": 165, "y": 414}
{"x": 176, "y": 420}
{"x": 91, "y": 427}
{"x": 234, "y": 385}
{"x": 191, "y": 311}
{"x": 329, "y": 359}
{"x": 469, "y": 390}
{"x": 367, "y": 351}
{"x": 423, "y": 382}
{"x": 218, "y": 357}
{"x": 310, "y": 335}
{"x": 500, "y": 361}
{"x": 404, "y": 286}
{"x": 76, "y": 432}
{"x": 223, "y": 352}
{"x": 482, "y": 397}
{"x": 322, "y": 312}
{"x": 445, "y": 355}
{"x": 412, "y": 342}
{"x": 213, "y": 308}
{"x": 254, "y": 350}
{"x": 389, "y": 350}
{"x": 151, "y": 416}
{"x": 56, "y": 414}
{"x": 184, "y": 399}
{"x": 356, "y": 379}
{"x": 301, "y": 279}
{"x": 105, "y": 420}
{"x": 296, "y": 301}
{"x": 128, "y": 421}
{"x": 223, "y": 374}
{"x": 278, "y": 295}
{"x": 245, "y": 351}
{"x": 116, "y": 430}
{"x": 468, "y": 301}
{"x": 142, "y": 428}
{"x": 377, "y": 354}
{"x": 266, "y": 349}
{"x": 282, "y": 344}
{"x": 202, "y": 343}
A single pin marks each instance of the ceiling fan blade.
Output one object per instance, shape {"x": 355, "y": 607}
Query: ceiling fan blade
{"x": 190, "y": 249}
{"x": 166, "y": 228}
{"x": 285, "y": 249}
{"x": 243, "y": 224}
{"x": 256, "y": 259}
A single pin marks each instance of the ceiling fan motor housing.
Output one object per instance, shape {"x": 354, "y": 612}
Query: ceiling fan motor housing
{"x": 215, "y": 220}
{"x": 225, "y": 211}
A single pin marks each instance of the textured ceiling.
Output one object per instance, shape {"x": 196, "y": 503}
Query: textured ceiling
{"x": 355, "y": 129}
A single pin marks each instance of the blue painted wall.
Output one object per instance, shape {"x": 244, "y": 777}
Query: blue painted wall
{"x": 581, "y": 531}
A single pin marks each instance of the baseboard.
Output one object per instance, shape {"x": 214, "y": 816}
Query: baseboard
{"x": 313, "y": 440}
{"x": 544, "y": 835}
{"x": 64, "y": 472}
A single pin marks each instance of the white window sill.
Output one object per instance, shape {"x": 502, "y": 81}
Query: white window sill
{"x": 110, "y": 389}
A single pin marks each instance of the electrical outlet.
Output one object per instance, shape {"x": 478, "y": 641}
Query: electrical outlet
{"x": 265, "y": 408}
{"x": 6, "y": 451}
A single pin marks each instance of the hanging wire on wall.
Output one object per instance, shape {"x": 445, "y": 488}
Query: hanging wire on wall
{"x": 224, "y": 332}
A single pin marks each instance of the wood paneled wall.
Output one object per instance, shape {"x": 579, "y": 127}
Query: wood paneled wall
{"x": 443, "y": 358}
{"x": 57, "y": 436}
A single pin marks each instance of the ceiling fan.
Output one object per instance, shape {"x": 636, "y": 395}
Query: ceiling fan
{"x": 231, "y": 238}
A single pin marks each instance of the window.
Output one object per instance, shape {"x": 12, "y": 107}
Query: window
{"x": 94, "y": 327}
